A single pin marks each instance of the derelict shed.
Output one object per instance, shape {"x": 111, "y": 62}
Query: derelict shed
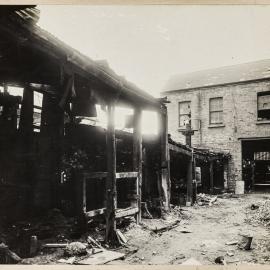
{"x": 188, "y": 165}
{"x": 48, "y": 92}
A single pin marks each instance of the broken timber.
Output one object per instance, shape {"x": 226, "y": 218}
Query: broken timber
{"x": 111, "y": 192}
{"x": 165, "y": 164}
{"x": 137, "y": 158}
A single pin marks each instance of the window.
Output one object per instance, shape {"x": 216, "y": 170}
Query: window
{"x": 184, "y": 113}
{"x": 38, "y": 97}
{"x": 216, "y": 110}
{"x": 263, "y": 100}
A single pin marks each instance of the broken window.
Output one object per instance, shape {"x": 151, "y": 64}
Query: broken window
{"x": 261, "y": 155}
{"x": 263, "y": 105}
{"x": 216, "y": 110}
{"x": 16, "y": 91}
{"x": 184, "y": 113}
{"x": 38, "y": 97}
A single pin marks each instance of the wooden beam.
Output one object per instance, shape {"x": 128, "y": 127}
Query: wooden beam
{"x": 111, "y": 192}
{"x": 185, "y": 152}
{"x": 126, "y": 212}
{"x": 137, "y": 157}
{"x": 122, "y": 175}
{"x": 118, "y": 212}
{"x": 95, "y": 212}
{"x": 165, "y": 166}
{"x": 102, "y": 175}
{"x": 180, "y": 150}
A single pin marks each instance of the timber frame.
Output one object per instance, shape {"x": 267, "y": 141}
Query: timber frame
{"x": 38, "y": 62}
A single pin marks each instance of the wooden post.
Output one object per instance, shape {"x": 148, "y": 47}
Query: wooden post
{"x": 111, "y": 192}
{"x": 5, "y": 88}
{"x": 211, "y": 176}
{"x": 165, "y": 165}
{"x": 189, "y": 182}
{"x": 137, "y": 157}
{"x": 253, "y": 175}
{"x": 26, "y": 118}
{"x": 188, "y": 132}
{"x": 194, "y": 186}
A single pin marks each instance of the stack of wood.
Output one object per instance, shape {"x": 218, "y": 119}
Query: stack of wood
{"x": 205, "y": 199}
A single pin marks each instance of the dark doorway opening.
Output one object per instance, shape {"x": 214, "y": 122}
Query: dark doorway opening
{"x": 256, "y": 163}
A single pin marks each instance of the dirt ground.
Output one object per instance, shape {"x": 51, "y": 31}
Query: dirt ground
{"x": 209, "y": 229}
{"x": 202, "y": 234}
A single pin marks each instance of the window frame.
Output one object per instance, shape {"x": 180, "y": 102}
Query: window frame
{"x": 183, "y": 114}
{"x": 259, "y": 94}
{"x": 215, "y": 111}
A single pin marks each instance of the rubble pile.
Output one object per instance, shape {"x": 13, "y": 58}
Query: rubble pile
{"x": 206, "y": 199}
{"x": 259, "y": 213}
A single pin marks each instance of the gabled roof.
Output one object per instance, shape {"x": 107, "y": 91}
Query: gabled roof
{"x": 219, "y": 76}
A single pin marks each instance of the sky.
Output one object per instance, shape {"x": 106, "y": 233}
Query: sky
{"x": 148, "y": 44}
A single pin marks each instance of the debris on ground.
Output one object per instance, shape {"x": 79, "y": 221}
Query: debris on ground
{"x": 220, "y": 260}
{"x": 245, "y": 243}
{"x": 70, "y": 260}
{"x": 145, "y": 212}
{"x": 167, "y": 227}
{"x": 101, "y": 258}
{"x": 231, "y": 243}
{"x": 76, "y": 249}
{"x": 230, "y": 253}
{"x": 205, "y": 199}
{"x": 260, "y": 213}
{"x": 7, "y": 256}
{"x": 254, "y": 206}
{"x": 55, "y": 245}
{"x": 121, "y": 238}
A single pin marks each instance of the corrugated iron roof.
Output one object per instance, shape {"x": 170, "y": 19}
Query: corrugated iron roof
{"x": 218, "y": 76}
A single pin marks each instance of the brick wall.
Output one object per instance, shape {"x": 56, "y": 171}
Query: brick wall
{"x": 239, "y": 119}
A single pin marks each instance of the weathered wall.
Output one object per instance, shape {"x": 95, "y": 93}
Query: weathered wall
{"x": 239, "y": 119}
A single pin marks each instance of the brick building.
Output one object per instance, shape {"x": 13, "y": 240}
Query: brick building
{"x": 229, "y": 107}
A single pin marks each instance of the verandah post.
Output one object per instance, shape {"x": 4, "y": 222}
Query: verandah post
{"x": 111, "y": 192}
{"x": 137, "y": 157}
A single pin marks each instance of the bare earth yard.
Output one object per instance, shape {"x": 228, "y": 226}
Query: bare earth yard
{"x": 207, "y": 231}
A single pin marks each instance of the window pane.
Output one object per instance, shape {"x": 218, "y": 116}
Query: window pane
{"x": 264, "y": 102}
{"x": 216, "y": 117}
{"x": 183, "y": 120}
{"x": 38, "y": 99}
{"x": 216, "y": 104}
{"x": 184, "y": 107}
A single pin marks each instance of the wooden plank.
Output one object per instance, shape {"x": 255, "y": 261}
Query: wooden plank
{"x": 55, "y": 245}
{"x": 95, "y": 175}
{"x": 102, "y": 258}
{"x": 118, "y": 212}
{"x": 111, "y": 192}
{"x": 126, "y": 212}
{"x": 95, "y": 212}
{"x": 137, "y": 157}
{"x": 102, "y": 175}
{"x": 178, "y": 149}
{"x": 126, "y": 175}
